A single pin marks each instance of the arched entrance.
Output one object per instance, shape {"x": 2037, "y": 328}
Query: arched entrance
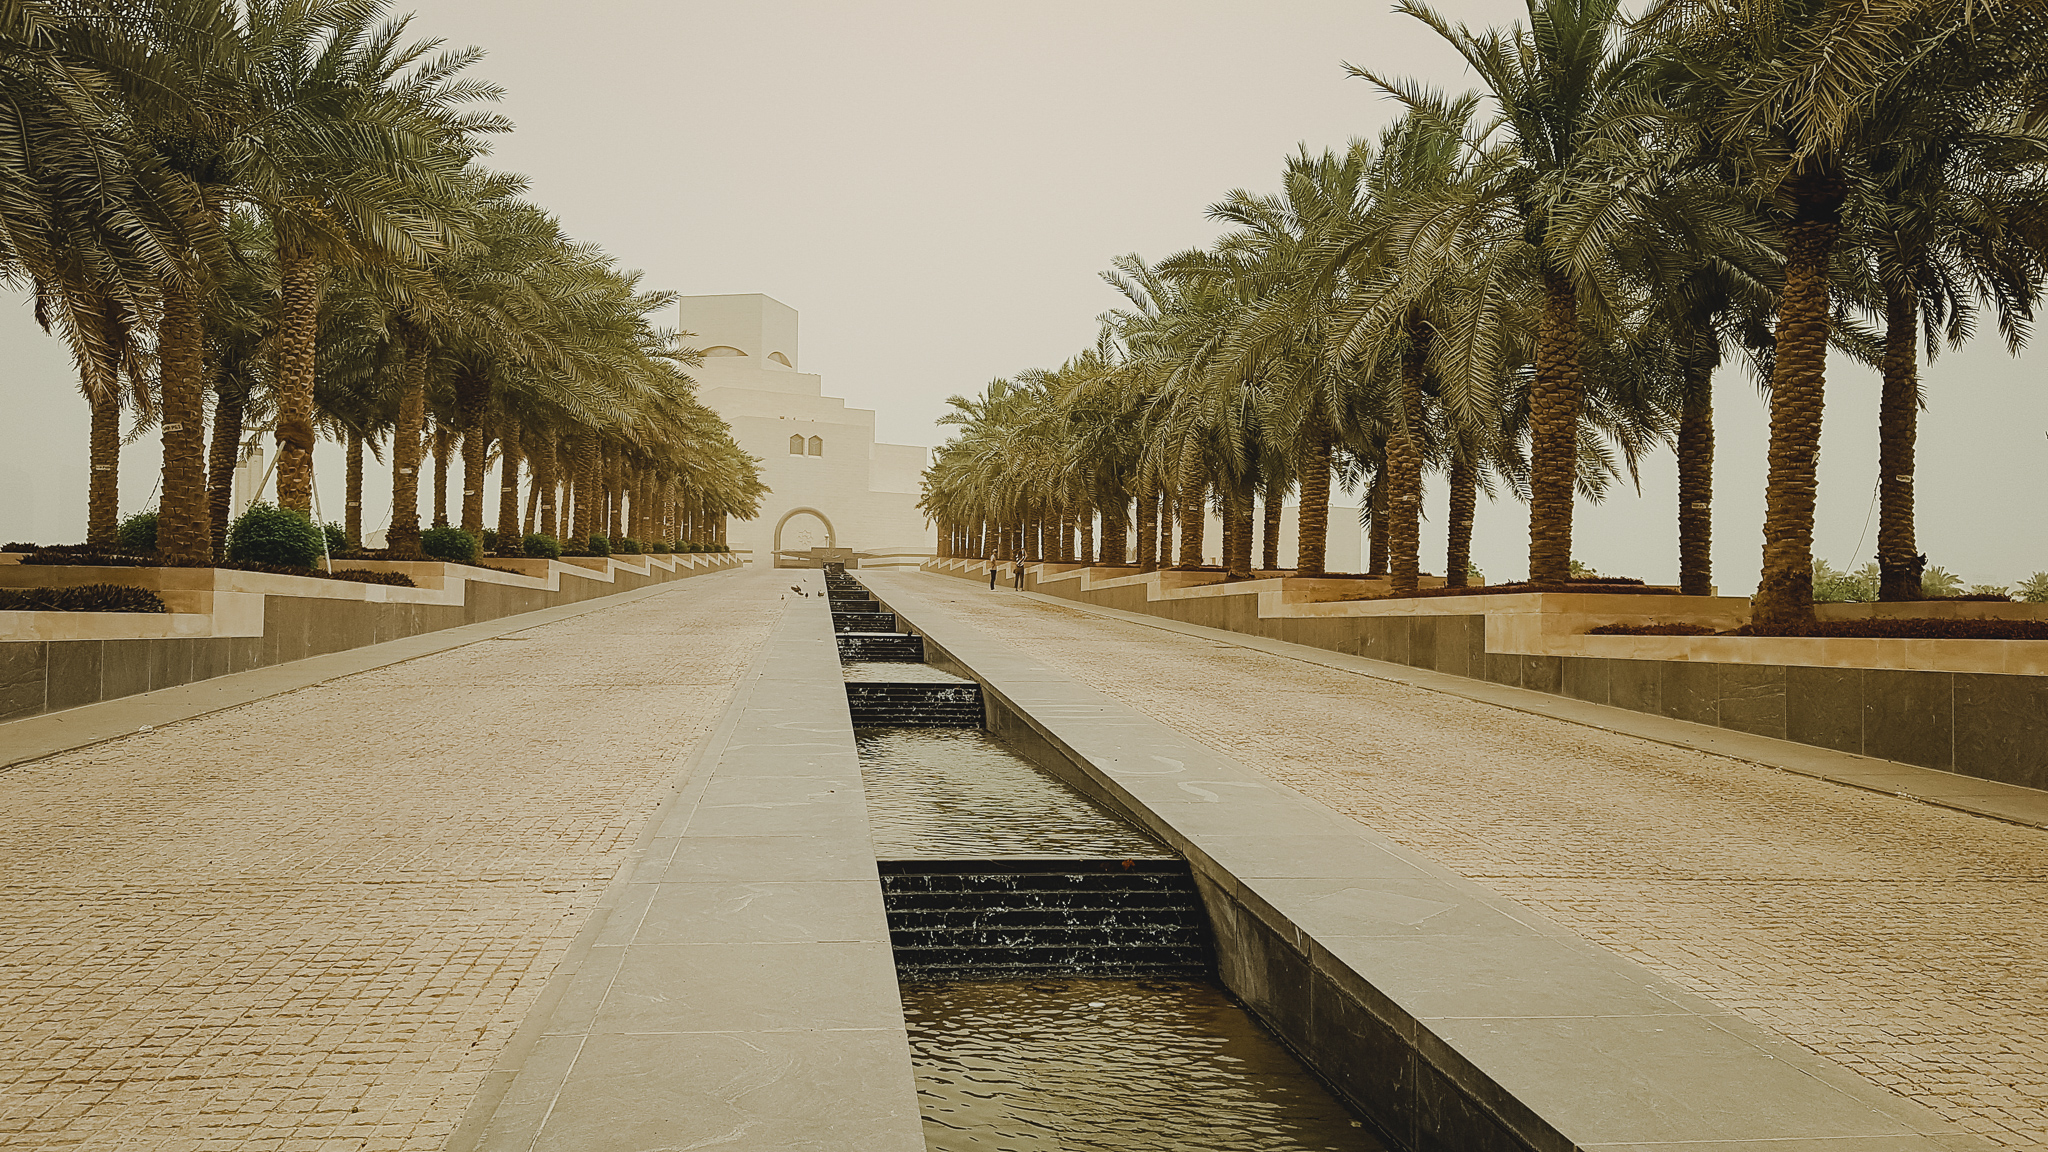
{"x": 801, "y": 529}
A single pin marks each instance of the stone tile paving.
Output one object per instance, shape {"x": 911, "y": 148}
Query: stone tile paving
{"x": 1907, "y": 942}
{"x": 312, "y": 922}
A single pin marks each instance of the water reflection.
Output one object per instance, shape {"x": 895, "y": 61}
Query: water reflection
{"x": 960, "y": 794}
{"x": 1111, "y": 1066}
{"x": 897, "y": 672}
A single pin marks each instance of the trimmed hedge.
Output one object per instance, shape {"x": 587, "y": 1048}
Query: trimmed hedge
{"x": 138, "y": 533}
{"x": 542, "y": 546}
{"x": 267, "y": 534}
{"x": 600, "y": 546}
{"x": 451, "y": 544}
{"x": 83, "y": 598}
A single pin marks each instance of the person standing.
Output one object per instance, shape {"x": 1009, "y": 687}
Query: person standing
{"x": 994, "y": 566}
{"x": 1020, "y": 575}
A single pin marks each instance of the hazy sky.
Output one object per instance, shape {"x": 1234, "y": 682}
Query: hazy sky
{"x": 936, "y": 186}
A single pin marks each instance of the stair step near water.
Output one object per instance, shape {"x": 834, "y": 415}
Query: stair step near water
{"x": 1007, "y": 919}
{"x": 879, "y": 705}
{"x": 875, "y": 646}
{"x": 863, "y": 621}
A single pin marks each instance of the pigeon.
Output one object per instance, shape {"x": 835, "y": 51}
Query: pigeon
{"x": 798, "y": 590}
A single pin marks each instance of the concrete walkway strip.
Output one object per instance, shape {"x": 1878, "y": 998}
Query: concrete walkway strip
{"x": 49, "y": 733}
{"x": 1455, "y": 1016}
{"x": 2008, "y": 802}
{"x": 741, "y": 992}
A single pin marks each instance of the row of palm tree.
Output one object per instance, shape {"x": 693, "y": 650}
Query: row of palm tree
{"x": 1530, "y": 286}
{"x": 278, "y": 210}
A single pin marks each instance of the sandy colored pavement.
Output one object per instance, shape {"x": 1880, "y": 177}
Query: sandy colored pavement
{"x": 1907, "y": 942}
{"x": 312, "y": 922}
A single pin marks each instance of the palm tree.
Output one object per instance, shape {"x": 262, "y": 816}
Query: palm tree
{"x": 1791, "y": 94}
{"x": 357, "y": 157}
{"x": 1551, "y": 201}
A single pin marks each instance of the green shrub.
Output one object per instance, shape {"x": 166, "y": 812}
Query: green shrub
{"x": 491, "y": 541}
{"x": 337, "y": 538}
{"x": 138, "y": 533}
{"x": 543, "y": 546}
{"x": 692, "y": 546}
{"x": 600, "y": 546}
{"x": 630, "y": 547}
{"x": 2034, "y": 589}
{"x": 451, "y": 544}
{"x": 266, "y": 534}
{"x": 83, "y": 598}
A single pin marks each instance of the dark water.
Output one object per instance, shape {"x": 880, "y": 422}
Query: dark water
{"x": 897, "y": 672}
{"x": 1111, "y": 1066}
{"x": 961, "y": 794}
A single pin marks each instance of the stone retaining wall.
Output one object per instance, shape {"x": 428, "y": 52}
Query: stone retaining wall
{"x": 1975, "y": 707}
{"x": 227, "y": 621}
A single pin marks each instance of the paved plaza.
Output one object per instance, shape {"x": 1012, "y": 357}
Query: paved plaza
{"x": 1907, "y": 942}
{"x": 314, "y": 921}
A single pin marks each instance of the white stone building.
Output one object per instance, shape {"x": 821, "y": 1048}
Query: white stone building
{"x": 831, "y": 485}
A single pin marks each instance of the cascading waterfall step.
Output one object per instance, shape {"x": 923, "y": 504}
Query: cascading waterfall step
{"x": 881, "y": 646}
{"x": 1013, "y": 919}
{"x": 876, "y": 705}
{"x": 863, "y": 621}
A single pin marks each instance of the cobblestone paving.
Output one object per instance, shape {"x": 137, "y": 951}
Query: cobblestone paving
{"x": 312, "y": 922}
{"x": 1907, "y": 942}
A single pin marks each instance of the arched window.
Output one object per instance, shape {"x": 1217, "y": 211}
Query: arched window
{"x": 817, "y": 446}
{"x": 796, "y": 445}
{"x": 723, "y": 350}
{"x": 779, "y": 358}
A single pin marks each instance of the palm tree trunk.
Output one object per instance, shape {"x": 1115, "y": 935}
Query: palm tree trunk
{"x": 183, "y": 527}
{"x": 299, "y": 280}
{"x": 1784, "y": 594}
{"x": 1237, "y": 532}
{"x": 1376, "y": 510}
{"x": 1404, "y": 474}
{"x": 1148, "y": 530}
{"x": 441, "y": 453}
{"x": 352, "y": 510}
{"x": 1312, "y": 531}
{"x": 472, "y": 408}
{"x": 614, "y": 492}
{"x": 548, "y": 483}
{"x": 1168, "y": 514}
{"x": 1464, "y": 482}
{"x": 1274, "y": 505}
{"x": 1554, "y": 403}
{"x": 1696, "y": 472}
{"x": 1899, "y": 563}
{"x": 508, "y": 487}
{"x": 403, "y": 538}
{"x": 103, "y": 475}
{"x": 1193, "y": 523}
{"x": 589, "y": 500}
{"x": 230, "y": 400}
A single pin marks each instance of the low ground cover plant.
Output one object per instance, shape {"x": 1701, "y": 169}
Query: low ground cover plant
{"x": 83, "y": 598}
{"x": 1907, "y": 629}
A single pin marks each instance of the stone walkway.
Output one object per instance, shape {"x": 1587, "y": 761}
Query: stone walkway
{"x": 1907, "y": 942}
{"x": 312, "y": 922}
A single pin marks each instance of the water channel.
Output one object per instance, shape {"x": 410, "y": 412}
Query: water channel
{"x": 1107, "y": 1034}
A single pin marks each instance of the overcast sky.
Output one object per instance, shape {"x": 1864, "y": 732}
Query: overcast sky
{"x": 936, "y": 187}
